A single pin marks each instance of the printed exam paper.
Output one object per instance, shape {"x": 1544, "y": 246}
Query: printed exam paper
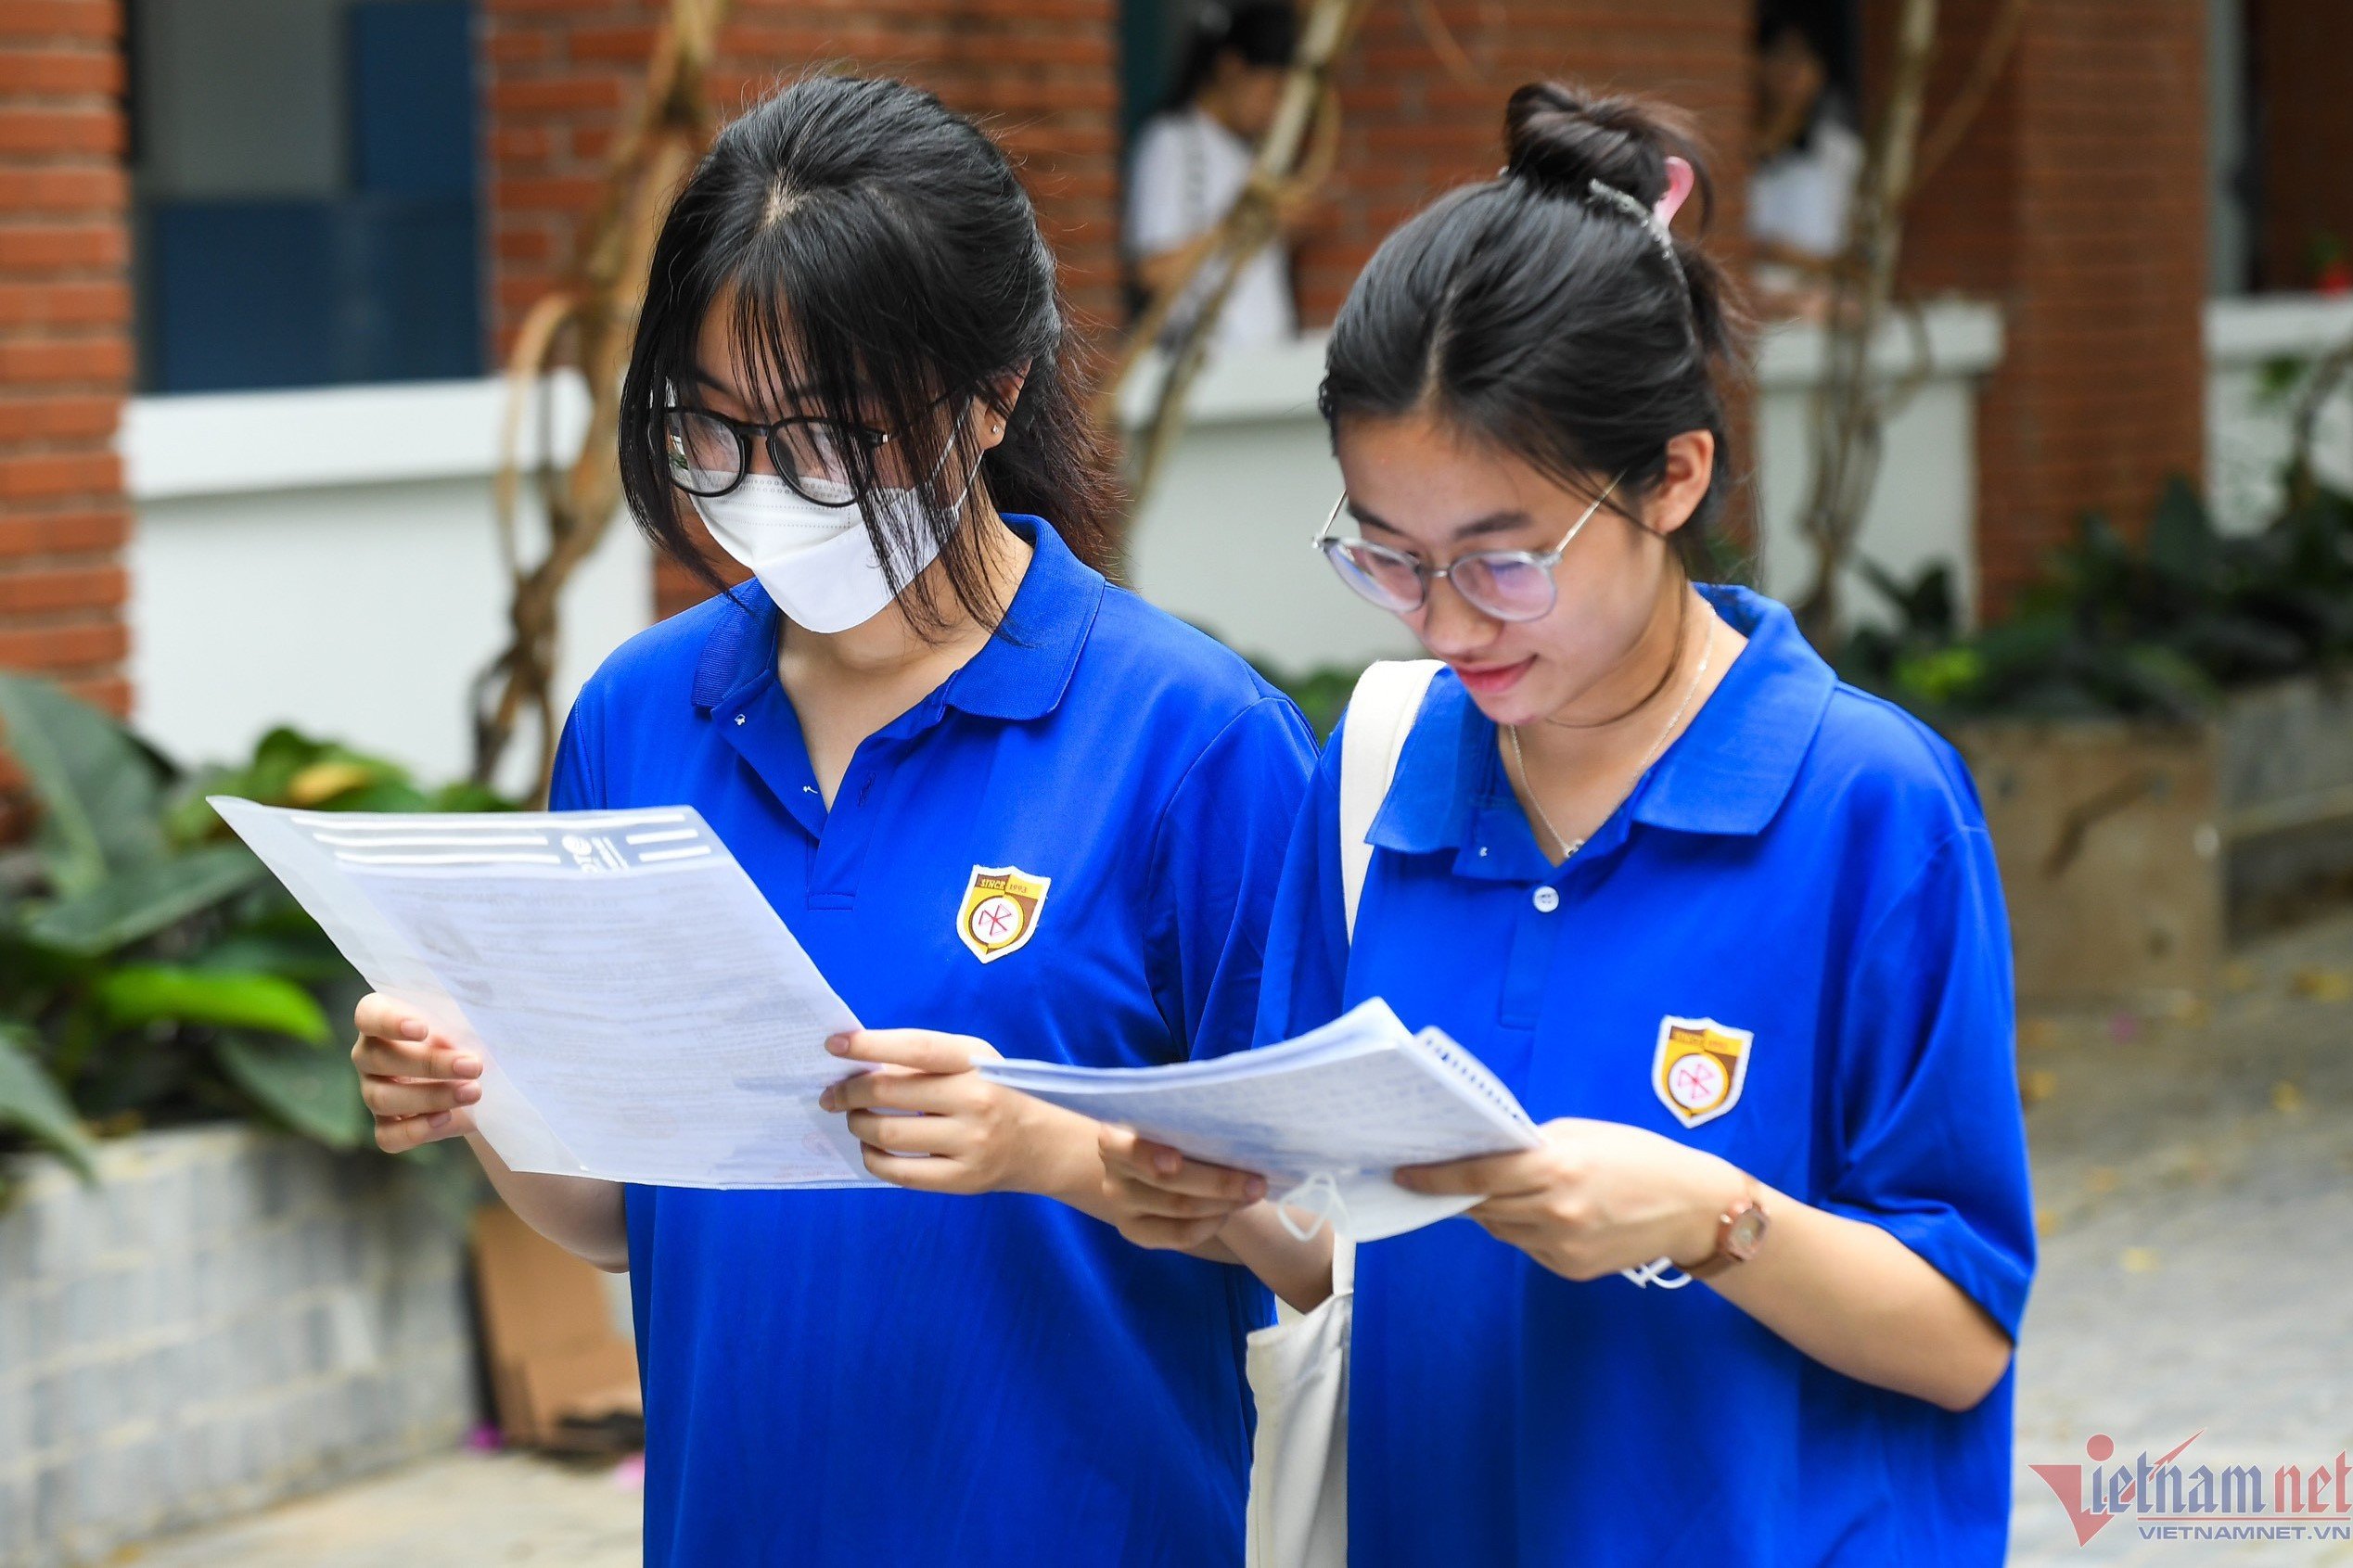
{"x": 641, "y": 1012}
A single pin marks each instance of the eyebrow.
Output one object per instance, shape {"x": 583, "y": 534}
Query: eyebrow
{"x": 1477, "y": 528}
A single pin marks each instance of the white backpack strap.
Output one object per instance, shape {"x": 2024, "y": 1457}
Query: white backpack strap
{"x": 1380, "y": 715}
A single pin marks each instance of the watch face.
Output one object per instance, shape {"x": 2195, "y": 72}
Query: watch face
{"x": 1746, "y": 1229}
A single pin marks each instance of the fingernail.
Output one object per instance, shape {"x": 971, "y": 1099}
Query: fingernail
{"x": 825, "y": 1100}
{"x": 1165, "y": 1163}
{"x": 1254, "y": 1189}
{"x": 838, "y": 1044}
{"x": 439, "y": 1119}
{"x": 467, "y": 1066}
{"x": 469, "y": 1092}
{"x": 415, "y": 1028}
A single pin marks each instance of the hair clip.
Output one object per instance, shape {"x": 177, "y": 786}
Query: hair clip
{"x": 1680, "y": 178}
{"x": 1610, "y": 196}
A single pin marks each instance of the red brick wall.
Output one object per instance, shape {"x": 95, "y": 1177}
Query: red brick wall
{"x": 1412, "y": 130}
{"x": 2077, "y": 203}
{"x": 2300, "y": 50}
{"x": 65, "y": 354}
{"x": 562, "y": 72}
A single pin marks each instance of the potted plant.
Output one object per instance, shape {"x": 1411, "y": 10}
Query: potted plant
{"x": 210, "y": 1296}
{"x": 2158, "y": 730}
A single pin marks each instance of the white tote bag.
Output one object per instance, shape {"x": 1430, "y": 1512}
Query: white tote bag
{"x": 1297, "y": 1514}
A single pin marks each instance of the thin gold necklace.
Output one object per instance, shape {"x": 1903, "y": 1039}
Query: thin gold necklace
{"x": 1569, "y": 848}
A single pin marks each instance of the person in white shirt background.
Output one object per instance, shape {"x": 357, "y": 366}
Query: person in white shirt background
{"x": 1808, "y": 156}
{"x": 1192, "y": 160}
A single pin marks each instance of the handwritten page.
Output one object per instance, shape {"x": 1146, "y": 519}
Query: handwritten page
{"x": 641, "y": 1013}
{"x": 1344, "y": 1105}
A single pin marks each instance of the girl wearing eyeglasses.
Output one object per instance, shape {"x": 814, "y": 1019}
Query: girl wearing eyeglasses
{"x": 1728, "y": 929}
{"x": 988, "y": 792}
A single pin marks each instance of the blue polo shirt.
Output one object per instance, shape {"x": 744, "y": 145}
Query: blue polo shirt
{"x": 869, "y": 1376}
{"x": 1793, "y": 924}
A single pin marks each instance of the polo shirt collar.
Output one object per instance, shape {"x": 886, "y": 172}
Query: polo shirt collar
{"x": 1728, "y": 773}
{"x": 1020, "y": 673}
{"x": 1732, "y": 769}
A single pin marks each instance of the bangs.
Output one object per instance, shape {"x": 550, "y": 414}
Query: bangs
{"x": 817, "y": 301}
{"x": 878, "y": 266}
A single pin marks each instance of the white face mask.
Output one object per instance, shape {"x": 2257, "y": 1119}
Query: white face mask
{"x": 817, "y": 562}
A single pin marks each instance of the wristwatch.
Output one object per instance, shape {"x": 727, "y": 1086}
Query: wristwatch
{"x": 1740, "y": 1230}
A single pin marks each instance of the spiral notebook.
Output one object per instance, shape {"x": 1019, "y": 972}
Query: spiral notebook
{"x": 1325, "y": 1118}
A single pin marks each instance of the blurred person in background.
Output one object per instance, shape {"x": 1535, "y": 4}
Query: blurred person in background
{"x": 1807, "y": 158}
{"x": 852, "y": 364}
{"x": 1192, "y": 158}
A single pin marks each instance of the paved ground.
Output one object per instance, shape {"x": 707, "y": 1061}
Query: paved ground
{"x": 468, "y": 1511}
{"x": 2195, "y": 1180}
{"x": 2195, "y": 1176}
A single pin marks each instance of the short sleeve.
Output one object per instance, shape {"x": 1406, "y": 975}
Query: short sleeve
{"x": 1933, "y": 1136}
{"x": 1157, "y": 221}
{"x": 573, "y": 788}
{"x": 1216, "y": 855}
{"x": 1307, "y": 941}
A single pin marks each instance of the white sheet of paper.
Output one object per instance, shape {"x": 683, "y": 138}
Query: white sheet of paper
{"x": 642, "y": 1014}
{"x": 1350, "y": 1103}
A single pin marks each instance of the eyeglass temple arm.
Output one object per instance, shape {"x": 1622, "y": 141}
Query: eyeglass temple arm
{"x": 1325, "y": 531}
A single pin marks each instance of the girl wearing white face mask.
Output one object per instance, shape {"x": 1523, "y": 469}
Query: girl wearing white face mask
{"x": 990, "y": 793}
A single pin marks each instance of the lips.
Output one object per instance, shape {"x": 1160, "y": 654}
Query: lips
{"x": 1488, "y": 680}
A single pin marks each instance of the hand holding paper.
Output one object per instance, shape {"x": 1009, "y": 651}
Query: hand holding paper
{"x": 1324, "y": 1118}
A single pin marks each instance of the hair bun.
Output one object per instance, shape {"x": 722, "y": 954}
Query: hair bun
{"x": 1560, "y": 141}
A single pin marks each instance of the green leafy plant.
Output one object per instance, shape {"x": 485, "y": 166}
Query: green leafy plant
{"x": 151, "y": 971}
{"x": 2155, "y": 629}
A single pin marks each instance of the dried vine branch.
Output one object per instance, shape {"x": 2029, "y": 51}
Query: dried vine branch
{"x": 2331, "y": 371}
{"x": 591, "y": 315}
{"x": 1852, "y": 405}
{"x": 1848, "y": 421}
{"x": 1970, "y": 97}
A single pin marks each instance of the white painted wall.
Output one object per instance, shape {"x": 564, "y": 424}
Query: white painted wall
{"x": 1924, "y": 504}
{"x": 328, "y": 559}
{"x": 2247, "y": 419}
{"x": 1224, "y": 541}
{"x": 325, "y": 558}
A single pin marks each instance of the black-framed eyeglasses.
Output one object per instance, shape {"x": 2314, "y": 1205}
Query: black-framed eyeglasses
{"x": 1507, "y": 584}
{"x": 822, "y": 461}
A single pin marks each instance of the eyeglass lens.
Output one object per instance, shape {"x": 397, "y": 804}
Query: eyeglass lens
{"x": 706, "y": 453}
{"x": 1507, "y": 587}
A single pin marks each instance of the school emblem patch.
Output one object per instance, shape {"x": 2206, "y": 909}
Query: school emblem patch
{"x": 1000, "y": 906}
{"x": 1699, "y": 1068}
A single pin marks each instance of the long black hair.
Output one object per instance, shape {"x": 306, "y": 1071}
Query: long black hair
{"x": 1536, "y": 313}
{"x": 879, "y": 261}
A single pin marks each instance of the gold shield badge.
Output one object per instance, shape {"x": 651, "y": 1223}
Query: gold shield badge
{"x": 1001, "y": 906}
{"x": 1699, "y": 1068}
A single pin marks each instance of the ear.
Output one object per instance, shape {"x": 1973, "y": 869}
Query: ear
{"x": 1690, "y": 466}
{"x": 995, "y": 406}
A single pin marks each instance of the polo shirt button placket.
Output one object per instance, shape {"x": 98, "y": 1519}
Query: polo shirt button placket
{"x": 1546, "y": 899}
